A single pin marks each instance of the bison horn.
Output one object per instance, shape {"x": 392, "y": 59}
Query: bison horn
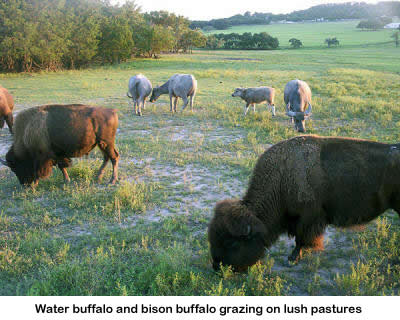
{"x": 4, "y": 162}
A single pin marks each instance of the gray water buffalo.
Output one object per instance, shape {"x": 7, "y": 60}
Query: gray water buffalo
{"x": 178, "y": 86}
{"x": 256, "y": 95}
{"x": 139, "y": 89}
{"x": 51, "y": 135}
{"x": 297, "y": 96}
{"x": 6, "y": 108}
{"x": 299, "y": 186}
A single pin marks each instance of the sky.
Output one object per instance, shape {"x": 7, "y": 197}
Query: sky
{"x": 214, "y": 9}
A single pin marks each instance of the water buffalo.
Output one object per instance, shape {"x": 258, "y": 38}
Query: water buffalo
{"x": 179, "y": 85}
{"x": 139, "y": 89}
{"x": 297, "y": 96}
{"x": 299, "y": 186}
{"x": 51, "y": 135}
{"x": 256, "y": 95}
{"x": 6, "y": 108}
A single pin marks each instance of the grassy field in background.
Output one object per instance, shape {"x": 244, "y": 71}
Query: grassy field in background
{"x": 147, "y": 234}
{"x": 313, "y": 34}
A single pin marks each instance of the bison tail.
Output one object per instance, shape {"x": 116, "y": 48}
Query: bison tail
{"x": 1, "y": 123}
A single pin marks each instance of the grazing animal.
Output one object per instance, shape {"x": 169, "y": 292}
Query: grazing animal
{"x": 138, "y": 90}
{"x": 51, "y": 135}
{"x": 297, "y": 96}
{"x": 6, "y": 108}
{"x": 300, "y": 186}
{"x": 256, "y": 95}
{"x": 178, "y": 86}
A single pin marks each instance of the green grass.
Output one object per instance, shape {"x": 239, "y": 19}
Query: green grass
{"x": 147, "y": 234}
{"x": 313, "y": 34}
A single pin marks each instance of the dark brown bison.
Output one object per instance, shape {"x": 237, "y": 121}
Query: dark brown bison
{"x": 51, "y": 135}
{"x": 6, "y": 108}
{"x": 299, "y": 186}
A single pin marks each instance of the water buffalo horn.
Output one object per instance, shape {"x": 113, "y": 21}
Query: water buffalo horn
{"x": 309, "y": 109}
{"x": 291, "y": 114}
{"x": 4, "y": 162}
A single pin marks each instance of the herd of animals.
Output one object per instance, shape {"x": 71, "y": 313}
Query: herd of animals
{"x": 298, "y": 186}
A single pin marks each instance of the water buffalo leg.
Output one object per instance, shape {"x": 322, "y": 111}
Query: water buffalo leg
{"x": 273, "y": 110}
{"x": 246, "y": 108}
{"x": 140, "y": 106}
{"x": 170, "y": 103}
{"x": 9, "y": 121}
{"x": 185, "y": 102}
{"x": 254, "y": 107}
{"x": 191, "y": 102}
{"x": 144, "y": 104}
{"x": 175, "y": 103}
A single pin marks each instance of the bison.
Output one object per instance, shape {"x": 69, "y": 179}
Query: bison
{"x": 300, "y": 186}
{"x": 51, "y": 135}
{"x": 256, "y": 95}
{"x": 297, "y": 96}
{"x": 139, "y": 89}
{"x": 179, "y": 85}
{"x": 6, "y": 108}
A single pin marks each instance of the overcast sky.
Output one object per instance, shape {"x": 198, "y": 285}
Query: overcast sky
{"x": 210, "y": 9}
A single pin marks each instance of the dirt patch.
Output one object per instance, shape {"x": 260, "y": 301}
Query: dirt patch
{"x": 242, "y": 59}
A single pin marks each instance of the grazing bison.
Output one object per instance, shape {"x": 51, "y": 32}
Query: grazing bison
{"x": 51, "y": 135}
{"x": 297, "y": 96}
{"x": 138, "y": 90}
{"x": 256, "y": 95}
{"x": 6, "y": 108}
{"x": 178, "y": 86}
{"x": 299, "y": 186}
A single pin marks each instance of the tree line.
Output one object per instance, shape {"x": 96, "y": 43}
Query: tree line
{"x": 334, "y": 11}
{"x": 245, "y": 41}
{"x": 56, "y": 34}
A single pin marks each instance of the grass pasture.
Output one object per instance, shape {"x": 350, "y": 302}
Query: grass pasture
{"x": 147, "y": 234}
{"x": 313, "y": 34}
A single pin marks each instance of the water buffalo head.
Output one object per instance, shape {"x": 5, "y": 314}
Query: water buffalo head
{"x": 299, "y": 117}
{"x": 238, "y": 92}
{"x": 155, "y": 94}
{"x": 236, "y": 236}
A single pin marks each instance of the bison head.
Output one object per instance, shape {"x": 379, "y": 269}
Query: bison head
{"x": 299, "y": 117}
{"x": 238, "y": 92}
{"x": 236, "y": 236}
{"x": 155, "y": 94}
{"x": 27, "y": 169}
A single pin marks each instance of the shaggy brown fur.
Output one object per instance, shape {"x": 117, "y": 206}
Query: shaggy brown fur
{"x": 50, "y": 135}
{"x": 301, "y": 185}
{"x": 6, "y": 108}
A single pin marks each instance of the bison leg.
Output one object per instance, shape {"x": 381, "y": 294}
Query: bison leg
{"x": 63, "y": 165}
{"x": 109, "y": 152}
{"x": 246, "y": 108}
{"x": 1, "y": 123}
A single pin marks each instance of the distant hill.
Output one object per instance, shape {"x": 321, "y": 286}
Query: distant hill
{"x": 330, "y": 12}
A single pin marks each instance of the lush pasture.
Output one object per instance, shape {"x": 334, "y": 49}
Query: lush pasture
{"x": 147, "y": 234}
{"x": 313, "y": 34}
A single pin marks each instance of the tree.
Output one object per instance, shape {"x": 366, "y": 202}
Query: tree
{"x": 192, "y": 38}
{"x": 295, "y": 43}
{"x": 332, "y": 42}
{"x": 396, "y": 37}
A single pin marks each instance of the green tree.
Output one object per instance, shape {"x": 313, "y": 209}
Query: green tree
{"x": 295, "y": 43}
